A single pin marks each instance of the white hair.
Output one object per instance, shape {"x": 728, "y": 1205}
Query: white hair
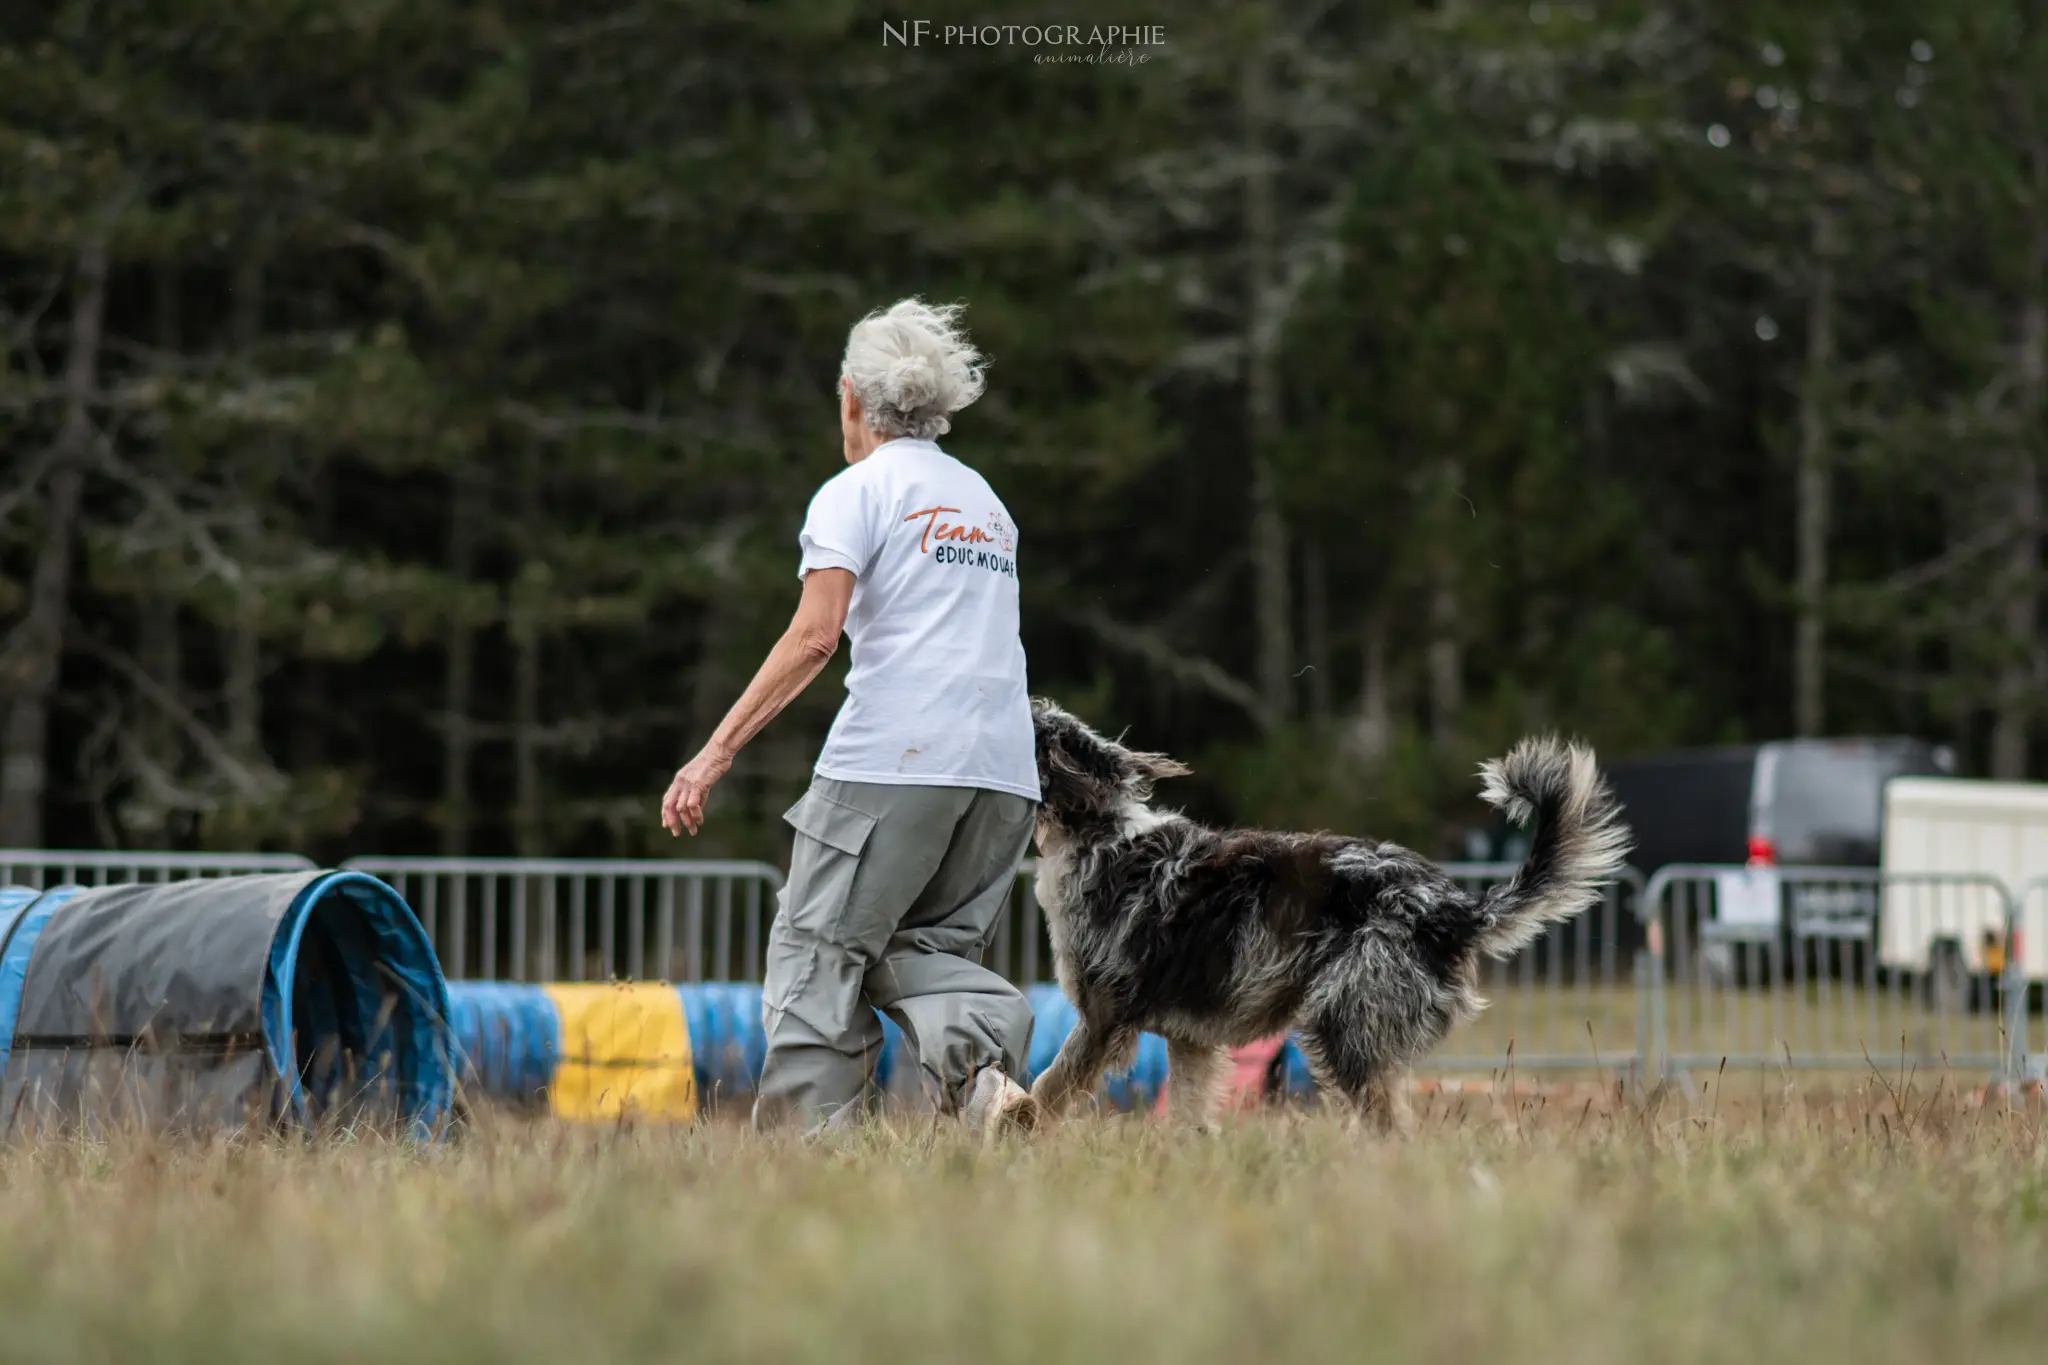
{"x": 911, "y": 365}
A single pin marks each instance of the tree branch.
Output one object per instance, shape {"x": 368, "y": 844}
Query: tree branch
{"x": 1932, "y": 571}
{"x": 249, "y": 782}
{"x": 1190, "y": 670}
{"x": 554, "y": 425}
{"x": 22, "y": 333}
{"x": 29, "y": 479}
{"x": 159, "y": 500}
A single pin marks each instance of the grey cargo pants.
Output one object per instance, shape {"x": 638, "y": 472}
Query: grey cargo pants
{"x": 892, "y": 897}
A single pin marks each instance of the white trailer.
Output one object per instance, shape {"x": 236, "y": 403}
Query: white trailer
{"x": 1937, "y": 926}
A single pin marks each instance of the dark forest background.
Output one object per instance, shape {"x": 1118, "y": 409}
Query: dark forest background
{"x": 408, "y": 406}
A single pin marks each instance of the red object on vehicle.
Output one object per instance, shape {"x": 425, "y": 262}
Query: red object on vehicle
{"x": 1762, "y": 853}
{"x": 1251, "y": 1065}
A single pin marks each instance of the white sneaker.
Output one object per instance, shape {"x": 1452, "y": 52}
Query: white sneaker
{"x": 998, "y": 1105}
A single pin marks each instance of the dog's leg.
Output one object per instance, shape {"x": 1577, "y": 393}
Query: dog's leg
{"x": 1348, "y": 1072}
{"x": 1077, "y": 1071}
{"x": 1195, "y": 1073}
{"x": 1387, "y": 1103}
{"x": 1329, "y": 1085}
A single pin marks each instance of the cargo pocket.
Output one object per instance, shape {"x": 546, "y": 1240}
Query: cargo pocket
{"x": 813, "y": 916}
{"x": 832, "y": 823}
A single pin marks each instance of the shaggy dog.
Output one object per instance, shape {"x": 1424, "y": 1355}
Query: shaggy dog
{"x": 1216, "y": 938}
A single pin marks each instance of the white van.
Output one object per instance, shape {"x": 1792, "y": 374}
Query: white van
{"x": 1934, "y": 925}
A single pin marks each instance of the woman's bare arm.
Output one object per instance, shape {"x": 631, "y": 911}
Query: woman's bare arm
{"x": 799, "y": 656}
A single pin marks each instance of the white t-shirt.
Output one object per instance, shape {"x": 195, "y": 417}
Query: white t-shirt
{"x": 936, "y": 695}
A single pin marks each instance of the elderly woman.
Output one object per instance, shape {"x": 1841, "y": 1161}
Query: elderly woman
{"x": 923, "y": 799}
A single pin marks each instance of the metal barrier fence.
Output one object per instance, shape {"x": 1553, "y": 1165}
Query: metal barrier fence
{"x": 1832, "y": 969}
{"x": 46, "y": 867}
{"x": 573, "y": 919}
{"x": 1810, "y": 968}
{"x": 1021, "y": 950}
{"x": 1564, "y": 1003}
{"x": 2028, "y": 976}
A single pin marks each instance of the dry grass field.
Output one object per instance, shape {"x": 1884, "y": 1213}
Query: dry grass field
{"x": 1877, "y": 1223}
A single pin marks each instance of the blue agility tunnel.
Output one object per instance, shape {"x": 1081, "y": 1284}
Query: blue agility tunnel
{"x": 308, "y": 997}
{"x": 728, "y": 1045}
{"x": 726, "y": 1041}
{"x": 509, "y": 1039}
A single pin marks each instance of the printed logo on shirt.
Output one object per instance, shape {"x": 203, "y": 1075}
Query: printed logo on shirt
{"x": 964, "y": 544}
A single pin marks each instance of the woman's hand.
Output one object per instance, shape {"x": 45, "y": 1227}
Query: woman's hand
{"x": 683, "y": 807}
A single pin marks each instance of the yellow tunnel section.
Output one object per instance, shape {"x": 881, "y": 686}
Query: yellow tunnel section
{"x": 625, "y": 1052}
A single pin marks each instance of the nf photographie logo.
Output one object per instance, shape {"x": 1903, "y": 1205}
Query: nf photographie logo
{"x": 1050, "y": 44}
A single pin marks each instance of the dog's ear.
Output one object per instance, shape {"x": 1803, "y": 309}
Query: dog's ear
{"x": 1156, "y": 767}
{"x": 1066, "y": 745}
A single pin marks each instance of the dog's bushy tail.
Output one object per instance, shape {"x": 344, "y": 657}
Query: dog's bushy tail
{"x": 1579, "y": 846}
